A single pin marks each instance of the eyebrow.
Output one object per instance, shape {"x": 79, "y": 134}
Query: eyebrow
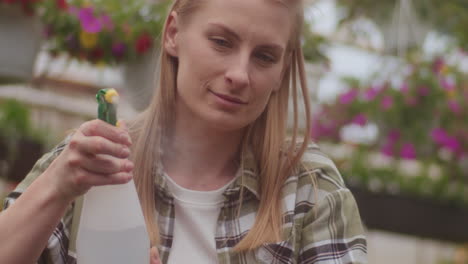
{"x": 234, "y": 35}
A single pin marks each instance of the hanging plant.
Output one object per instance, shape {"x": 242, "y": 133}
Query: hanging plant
{"x": 446, "y": 17}
{"x": 101, "y": 31}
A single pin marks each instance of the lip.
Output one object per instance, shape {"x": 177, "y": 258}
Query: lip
{"x": 228, "y": 98}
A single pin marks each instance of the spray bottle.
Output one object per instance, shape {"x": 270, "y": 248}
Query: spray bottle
{"x": 112, "y": 227}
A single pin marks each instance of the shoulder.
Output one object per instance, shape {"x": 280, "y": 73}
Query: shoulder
{"x": 314, "y": 177}
{"x": 317, "y": 164}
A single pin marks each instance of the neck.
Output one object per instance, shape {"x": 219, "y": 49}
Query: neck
{"x": 199, "y": 157}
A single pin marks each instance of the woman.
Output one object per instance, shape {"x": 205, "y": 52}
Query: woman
{"x": 217, "y": 179}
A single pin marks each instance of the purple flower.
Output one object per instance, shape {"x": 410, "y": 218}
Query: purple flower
{"x": 107, "y": 22}
{"x": 447, "y": 85}
{"x": 387, "y": 149}
{"x": 452, "y": 144}
{"x": 360, "y": 119}
{"x": 454, "y": 106}
{"x": 89, "y": 22}
{"x": 423, "y": 90}
{"x": 439, "y": 135}
{"x": 438, "y": 65}
{"x": 408, "y": 151}
{"x": 349, "y": 97}
{"x": 393, "y": 136}
{"x": 404, "y": 87}
{"x": 371, "y": 93}
{"x": 118, "y": 49}
{"x": 387, "y": 102}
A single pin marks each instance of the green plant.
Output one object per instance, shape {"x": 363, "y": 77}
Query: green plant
{"x": 15, "y": 126}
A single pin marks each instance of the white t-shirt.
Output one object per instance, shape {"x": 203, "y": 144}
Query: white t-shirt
{"x": 196, "y": 215}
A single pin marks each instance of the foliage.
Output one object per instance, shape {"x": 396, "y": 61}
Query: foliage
{"x": 312, "y": 46}
{"x": 447, "y": 17}
{"x": 16, "y": 124}
{"x": 102, "y": 31}
{"x": 422, "y": 122}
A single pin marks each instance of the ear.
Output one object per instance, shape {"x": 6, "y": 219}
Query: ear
{"x": 171, "y": 33}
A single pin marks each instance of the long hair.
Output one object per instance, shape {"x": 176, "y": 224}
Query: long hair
{"x": 266, "y": 137}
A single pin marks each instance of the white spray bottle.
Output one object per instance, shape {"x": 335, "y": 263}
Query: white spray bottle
{"x": 112, "y": 227}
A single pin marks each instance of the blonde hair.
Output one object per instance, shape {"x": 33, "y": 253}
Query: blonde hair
{"x": 266, "y": 137}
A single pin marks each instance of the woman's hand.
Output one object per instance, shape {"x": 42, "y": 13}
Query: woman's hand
{"x": 97, "y": 154}
{"x": 154, "y": 256}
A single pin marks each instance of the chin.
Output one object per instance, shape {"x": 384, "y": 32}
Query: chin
{"x": 227, "y": 123}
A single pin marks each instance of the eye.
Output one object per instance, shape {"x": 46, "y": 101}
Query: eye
{"x": 266, "y": 58}
{"x": 221, "y": 42}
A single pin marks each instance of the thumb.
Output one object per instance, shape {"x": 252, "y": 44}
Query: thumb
{"x": 154, "y": 256}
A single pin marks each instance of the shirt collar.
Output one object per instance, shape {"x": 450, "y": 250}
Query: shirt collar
{"x": 247, "y": 179}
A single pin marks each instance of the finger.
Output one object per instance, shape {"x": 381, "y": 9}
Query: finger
{"x": 87, "y": 178}
{"x": 154, "y": 256}
{"x": 100, "y": 128}
{"x": 95, "y": 145}
{"x": 122, "y": 125}
{"x": 105, "y": 164}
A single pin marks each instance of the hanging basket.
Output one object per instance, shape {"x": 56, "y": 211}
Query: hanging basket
{"x": 404, "y": 30}
{"x": 19, "y": 44}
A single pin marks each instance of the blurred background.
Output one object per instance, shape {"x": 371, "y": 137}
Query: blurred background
{"x": 388, "y": 81}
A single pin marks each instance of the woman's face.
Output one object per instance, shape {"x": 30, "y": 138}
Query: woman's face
{"x": 231, "y": 56}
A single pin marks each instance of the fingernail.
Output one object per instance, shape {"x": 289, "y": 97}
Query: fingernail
{"x": 128, "y": 166}
{"x": 124, "y": 138}
{"x": 125, "y": 151}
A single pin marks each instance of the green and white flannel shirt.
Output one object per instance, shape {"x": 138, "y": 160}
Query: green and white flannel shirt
{"x": 321, "y": 226}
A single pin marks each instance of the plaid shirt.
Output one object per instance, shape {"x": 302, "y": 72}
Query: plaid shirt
{"x": 321, "y": 225}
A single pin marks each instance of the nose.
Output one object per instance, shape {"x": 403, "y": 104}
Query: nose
{"x": 237, "y": 75}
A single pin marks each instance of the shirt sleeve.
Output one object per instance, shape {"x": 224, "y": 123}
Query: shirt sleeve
{"x": 56, "y": 251}
{"x": 333, "y": 232}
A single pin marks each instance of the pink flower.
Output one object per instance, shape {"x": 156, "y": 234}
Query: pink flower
{"x": 452, "y": 144}
{"x": 441, "y": 137}
{"x": 454, "y": 106}
{"x": 348, "y": 97}
{"x": 106, "y": 22}
{"x": 387, "y": 102}
{"x": 89, "y": 22}
{"x": 371, "y": 93}
{"x": 360, "y": 120}
{"x": 393, "y": 136}
{"x": 438, "y": 65}
{"x": 387, "y": 149}
{"x": 447, "y": 85}
{"x": 423, "y": 90}
{"x": 404, "y": 87}
{"x": 408, "y": 151}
